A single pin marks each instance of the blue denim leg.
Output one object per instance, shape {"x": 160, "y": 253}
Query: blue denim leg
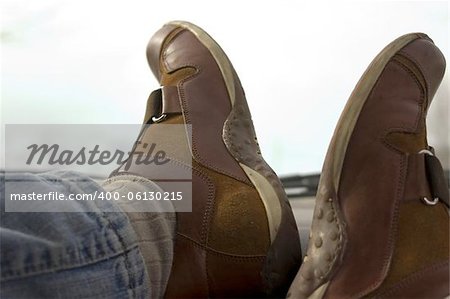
{"x": 68, "y": 255}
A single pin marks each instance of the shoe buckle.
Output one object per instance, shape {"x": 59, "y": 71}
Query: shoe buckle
{"x": 426, "y": 152}
{"x": 157, "y": 119}
{"x": 425, "y": 199}
{"x": 430, "y": 202}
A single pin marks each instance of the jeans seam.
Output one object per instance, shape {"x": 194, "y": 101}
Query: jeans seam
{"x": 127, "y": 262}
{"x": 5, "y": 278}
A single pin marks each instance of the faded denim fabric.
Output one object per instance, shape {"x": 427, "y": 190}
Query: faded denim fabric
{"x": 68, "y": 255}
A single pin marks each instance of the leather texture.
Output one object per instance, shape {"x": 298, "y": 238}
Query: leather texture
{"x": 376, "y": 174}
{"x": 161, "y": 102}
{"x": 241, "y": 140}
{"x": 437, "y": 180}
{"x": 154, "y": 49}
{"x": 418, "y": 284}
{"x": 414, "y": 181}
{"x": 422, "y": 240}
{"x": 372, "y": 233}
{"x": 170, "y": 100}
{"x": 204, "y": 98}
{"x": 223, "y": 248}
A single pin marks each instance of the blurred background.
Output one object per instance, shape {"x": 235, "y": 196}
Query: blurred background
{"x": 84, "y": 62}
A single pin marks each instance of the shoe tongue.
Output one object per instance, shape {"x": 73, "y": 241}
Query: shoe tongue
{"x": 154, "y": 105}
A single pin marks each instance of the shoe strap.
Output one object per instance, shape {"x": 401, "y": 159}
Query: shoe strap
{"x": 437, "y": 181}
{"x": 162, "y": 102}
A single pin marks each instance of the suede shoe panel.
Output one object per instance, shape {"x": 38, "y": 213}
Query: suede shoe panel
{"x": 422, "y": 240}
{"x": 239, "y": 222}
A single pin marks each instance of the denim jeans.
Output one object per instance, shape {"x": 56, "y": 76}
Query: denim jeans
{"x": 85, "y": 254}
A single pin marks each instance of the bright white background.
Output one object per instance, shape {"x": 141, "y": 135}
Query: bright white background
{"x": 84, "y": 62}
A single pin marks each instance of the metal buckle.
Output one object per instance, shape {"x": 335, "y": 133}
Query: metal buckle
{"x": 426, "y": 152}
{"x": 425, "y": 199}
{"x": 157, "y": 119}
{"x": 430, "y": 202}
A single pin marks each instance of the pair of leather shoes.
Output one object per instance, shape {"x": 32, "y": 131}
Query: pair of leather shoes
{"x": 381, "y": 221}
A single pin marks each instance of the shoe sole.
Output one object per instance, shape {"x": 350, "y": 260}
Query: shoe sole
{"x": 266, "y": 191}
{"x": 332, "y": 169}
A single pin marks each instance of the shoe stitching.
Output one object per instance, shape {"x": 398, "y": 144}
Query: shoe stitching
{"x": 401, "y": 179}
{"x": 214, "y": 251}
{"x": 413, "y": 277}
{"x": 182, "y": 95}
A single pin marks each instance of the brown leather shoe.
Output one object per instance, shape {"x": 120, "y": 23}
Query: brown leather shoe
{"x": 381, "y": 221}
{"x": 241, "y": 238}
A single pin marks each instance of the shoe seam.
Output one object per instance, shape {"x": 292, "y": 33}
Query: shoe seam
{"x": 412, "y": 278}
{"x": 400, "y": 189}
{"x": 221, "y": 253}
{"x": 182, "y": 95}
